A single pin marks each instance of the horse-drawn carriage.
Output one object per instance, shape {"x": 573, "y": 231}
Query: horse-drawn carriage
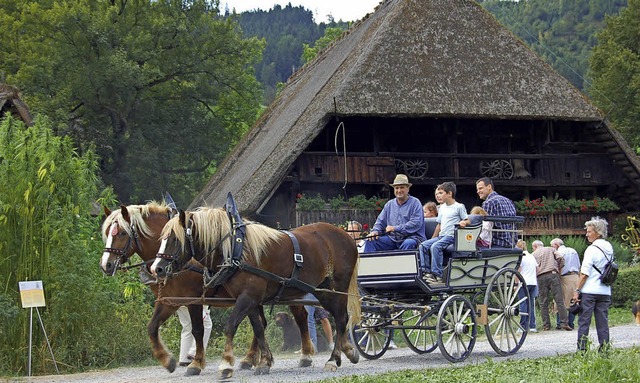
{"x": 481, "y": 287}
{"x": 252, "y": 265}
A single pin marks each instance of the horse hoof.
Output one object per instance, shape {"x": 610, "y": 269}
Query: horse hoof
{"x": 172, "y": 365}
{"x": 261, "y": 371}
{"x": 305, "y": 361}
{"x": 191, "y": 371}
{"x": 353, "y": 356}
{"x": 244, "y": 365}
{"x": 227, "y": 373}
{"x": 330, "y": 367}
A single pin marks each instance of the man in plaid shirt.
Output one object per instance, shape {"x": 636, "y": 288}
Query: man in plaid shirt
{"x": 497, "y": 205}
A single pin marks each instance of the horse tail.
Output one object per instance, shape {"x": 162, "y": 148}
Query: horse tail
{"x": 353, "y": 303}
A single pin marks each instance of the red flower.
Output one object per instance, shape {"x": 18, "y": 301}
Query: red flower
{"x": 298, "y": 196}
{"x": 365, "y": 227}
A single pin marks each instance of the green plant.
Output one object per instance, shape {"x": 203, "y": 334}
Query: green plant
{"x": 336, "y": 203}
{"x": 626, "y": 288}
{"x": 305, "y": 203}
{"x": 560, "y": 205}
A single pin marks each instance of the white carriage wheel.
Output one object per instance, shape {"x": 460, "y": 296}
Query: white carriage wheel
{"x": 503, "y": 329}
{"x": 457, "y": 328}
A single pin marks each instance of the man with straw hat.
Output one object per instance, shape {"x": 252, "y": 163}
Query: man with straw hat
{"x": 400, "y": 224}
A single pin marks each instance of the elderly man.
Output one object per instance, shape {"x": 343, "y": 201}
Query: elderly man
{"x": 549, "y": 283}
{"x": 569, "y": 275}
{"x": 400, "y": 224}
{"x": 496, "y": 205}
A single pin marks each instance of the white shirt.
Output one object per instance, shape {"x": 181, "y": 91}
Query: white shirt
{"x": 571, "y": 259}
{"x": 593, "y": 256}
{"x": 528, "y": 267}
{"x": 448, "y": 216}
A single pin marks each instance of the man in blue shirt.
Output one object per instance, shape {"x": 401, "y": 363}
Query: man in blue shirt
{"x": 496, "y": 205}
{"x": 400, "y": 224}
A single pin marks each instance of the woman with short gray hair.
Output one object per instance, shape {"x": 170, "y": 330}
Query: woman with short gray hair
{"x": 595, "y": 297}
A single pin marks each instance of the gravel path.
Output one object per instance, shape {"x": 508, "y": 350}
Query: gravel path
{"x": 547, "y": 343}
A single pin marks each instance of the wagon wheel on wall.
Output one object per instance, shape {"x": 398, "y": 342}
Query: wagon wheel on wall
{"x": 457, "y": 328}
{"x": 497, "y": 169}
{"x": 399, "y": 164}
{"x": 416, "y": 168}
{"x": 503, "y": 329}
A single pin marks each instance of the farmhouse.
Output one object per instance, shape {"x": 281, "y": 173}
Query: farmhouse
{"x": 436, "y": 89}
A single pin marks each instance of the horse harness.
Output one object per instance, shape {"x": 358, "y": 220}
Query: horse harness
{"x": 234, "y": 262}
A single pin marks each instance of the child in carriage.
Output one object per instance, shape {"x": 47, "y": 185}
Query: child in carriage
{"x": 431, "y": 250}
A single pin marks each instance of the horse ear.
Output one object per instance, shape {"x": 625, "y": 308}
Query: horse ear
{"x": 183, "y": 217}
{"x": 106, "y": 210}
{"x": 125, "y": 213}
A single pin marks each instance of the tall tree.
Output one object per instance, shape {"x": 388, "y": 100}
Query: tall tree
{"x": 615, "y": 69}
{"x": 163, "y": 88}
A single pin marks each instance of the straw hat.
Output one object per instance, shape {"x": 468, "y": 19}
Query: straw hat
{"x": 401, "y": 179}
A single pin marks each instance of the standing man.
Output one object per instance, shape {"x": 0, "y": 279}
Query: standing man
{"x": 569, "y": 275}
{"x": 497, "y": 205}
{"x": 401, "y": 220}
{"x": 549, "y": 283}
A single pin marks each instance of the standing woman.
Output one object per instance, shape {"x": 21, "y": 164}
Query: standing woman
{"x": 595, "y": 297}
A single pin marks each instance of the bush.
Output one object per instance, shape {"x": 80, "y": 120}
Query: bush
{"x": 626, "y": 288}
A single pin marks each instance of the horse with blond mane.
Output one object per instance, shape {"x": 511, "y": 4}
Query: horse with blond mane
{"x": 135, "y": 229}
{"x": 273, "y": 266}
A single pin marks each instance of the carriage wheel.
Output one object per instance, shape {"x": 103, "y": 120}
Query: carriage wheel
{"x": 502, "y": 169}
{"x": 421, "y": 334}
{"x": 503, "y": 328}
{"x": 416, "y": 169}
{"x": 457, "y": 328}
{"x": 507, "y": 169}
{"x": 370, "y": 337}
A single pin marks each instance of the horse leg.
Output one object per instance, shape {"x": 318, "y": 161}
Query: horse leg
{"x": 160, "y": 314}
{"x": 253, "y": 356}
{"x": 337, "y": 306}
{"x": 256, "y": 316}
{"x": 239, "y": 312}
{"x": 300, "y": 316}
{"x": 197, "y": 329}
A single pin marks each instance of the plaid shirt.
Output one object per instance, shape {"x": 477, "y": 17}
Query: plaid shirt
{"x": 501, "y": 206}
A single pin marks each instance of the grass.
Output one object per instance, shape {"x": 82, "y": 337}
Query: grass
{"x": 614, "y": 366}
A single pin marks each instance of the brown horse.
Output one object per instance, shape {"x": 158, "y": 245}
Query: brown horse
{"x": 136, "y": 229}
{"x": 329, "y": 257}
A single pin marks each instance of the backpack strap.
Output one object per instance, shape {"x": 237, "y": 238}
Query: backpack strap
{"x": 605, "y": 257}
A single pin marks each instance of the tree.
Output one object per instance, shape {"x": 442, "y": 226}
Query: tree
{"x": 162, "y": 88}
{"x": 615, "y": 70}
{"x": 330, "y": 34}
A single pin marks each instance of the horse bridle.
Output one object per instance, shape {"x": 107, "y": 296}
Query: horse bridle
{"x": 188, "y": 234}
{"x": 121, "y": 253}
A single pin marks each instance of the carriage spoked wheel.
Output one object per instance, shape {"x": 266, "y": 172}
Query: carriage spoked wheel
{"x": 419, "y": 330}
{"x": 503, "y": 329}
{"x": 370, "y": 336}
{"x": 456, "y": 328}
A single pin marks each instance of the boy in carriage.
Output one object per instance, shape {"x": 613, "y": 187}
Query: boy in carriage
{"x": 432, "y": 250}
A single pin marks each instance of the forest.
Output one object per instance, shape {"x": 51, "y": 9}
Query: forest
{"x": 135, "y": 98}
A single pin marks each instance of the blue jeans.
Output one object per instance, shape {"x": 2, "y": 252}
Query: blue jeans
{"x": 432, "y": 254}
{"x": 311, "y": 323}
{"x": 386, "y": 243}
{"x": 528, "y": 308}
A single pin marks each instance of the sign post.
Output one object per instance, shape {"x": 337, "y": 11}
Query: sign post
{"x": 32, "y": 296}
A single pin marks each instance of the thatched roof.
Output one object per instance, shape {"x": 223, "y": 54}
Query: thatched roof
{"x": 10, "y": 101}
{"x": 413, "y": 58}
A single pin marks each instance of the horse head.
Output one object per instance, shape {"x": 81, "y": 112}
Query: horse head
{"x": 202, "y": 235}
{"x": 130, "y": 230}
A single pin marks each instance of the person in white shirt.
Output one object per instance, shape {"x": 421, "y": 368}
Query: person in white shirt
{"x": 594, "y": 296}
{"x": 354, "y": 228}
{"x": 528, "y": 269}
{"x": 568, "y": 275}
